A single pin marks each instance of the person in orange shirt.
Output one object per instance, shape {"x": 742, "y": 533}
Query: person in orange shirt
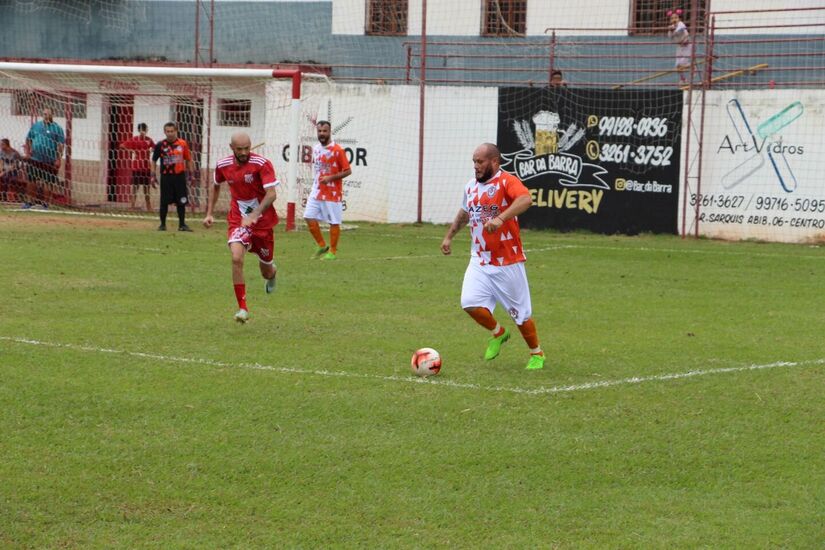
{"x": 175, "y": 171}
{"x": 329, "y": 166}
{"x": 496, "y": 273}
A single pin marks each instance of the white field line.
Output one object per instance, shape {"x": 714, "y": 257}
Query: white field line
{"x": 602, "y": 247}
{"x": 411, "y": 379}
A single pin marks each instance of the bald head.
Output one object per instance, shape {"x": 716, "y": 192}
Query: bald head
{"x": 489, "y": 150}
{"x": 240, "y": 145}
{"x": 240, "y": 139}
{"x": 486, "y": 161}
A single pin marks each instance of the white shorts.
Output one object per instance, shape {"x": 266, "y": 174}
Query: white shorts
{"x": 324, "y": 211}
{"x": 507, "y": 285}
{"x": 683, "y": 55}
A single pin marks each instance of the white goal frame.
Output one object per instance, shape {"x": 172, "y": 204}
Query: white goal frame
{"x": 295, "y": 75}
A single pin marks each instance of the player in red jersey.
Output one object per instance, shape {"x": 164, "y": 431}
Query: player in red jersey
{"x": 253, "y": 188}
{"x": 329, "y": 166}
{"x": 496, "y": 272}
{"x": 141, "y": 147}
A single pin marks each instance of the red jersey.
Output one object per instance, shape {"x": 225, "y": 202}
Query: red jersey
{"x": 173, "y": 156}
{"x": 142, "y": 147}
{"x": 248, "y": 183}
{"x": 484, "y": 201}
{"x": 327, "y": 161}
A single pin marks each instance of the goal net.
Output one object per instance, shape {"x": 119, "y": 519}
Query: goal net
{"x": 100, "y": 112}
{"x": 616, "y": 120}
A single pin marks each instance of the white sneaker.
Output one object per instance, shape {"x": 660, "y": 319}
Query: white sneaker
{"x": 242, "y": 316}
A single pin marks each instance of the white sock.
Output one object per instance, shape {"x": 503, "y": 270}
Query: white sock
{"x": 535, "y": 351}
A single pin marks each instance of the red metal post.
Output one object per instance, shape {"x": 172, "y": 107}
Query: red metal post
{"x": 204, "y": 173}
{"x": 211, "y": 32}
{"x": 409, "y": 62}
{"x": 295, "y": 75}
{"x": 67, "y": 167}
{"x": 197, "y": 32}
{"x": 552, "y": 58}
{"x": 688, "y": 133}
{"x": 711, "y": 43}
{"x": 422, "y": 86}
{"x": 705, "y": 86}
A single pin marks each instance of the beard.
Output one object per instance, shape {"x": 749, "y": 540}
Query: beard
{"x": 485, "y": 176}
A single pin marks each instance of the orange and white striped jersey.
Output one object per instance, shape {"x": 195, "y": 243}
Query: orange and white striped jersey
{"x": 327, "y": 161}
{"x": 484, "y": 201}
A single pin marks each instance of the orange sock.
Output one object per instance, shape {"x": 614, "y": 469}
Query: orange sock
{"x": 483, "y": 317}
{"x": 334, "y": 233}
{"x": 315, "y": 230}
{"x": 528, "y": 332}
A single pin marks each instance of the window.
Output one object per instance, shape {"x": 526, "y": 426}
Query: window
{"x": 235, "y": 112}
{"x": 504, "y": 18}
{"x": 32, "y": 103}
{"x": 387, "y": 17}
{"x": 650, "y": 16}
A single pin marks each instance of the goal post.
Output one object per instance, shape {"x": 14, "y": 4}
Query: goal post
{"x": 66, "y": 89}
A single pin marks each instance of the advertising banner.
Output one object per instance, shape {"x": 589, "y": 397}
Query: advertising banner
{"x": 762, "y": 175}
{"x": 602, "y": 160}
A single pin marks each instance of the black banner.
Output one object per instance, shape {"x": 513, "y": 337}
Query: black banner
{"x": 602, "y": 160}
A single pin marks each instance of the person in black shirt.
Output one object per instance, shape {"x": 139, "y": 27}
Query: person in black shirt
{"x": 176, "y": 167}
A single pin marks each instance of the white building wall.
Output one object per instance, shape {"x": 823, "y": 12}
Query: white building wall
{"x": 463, "y": 17}
{"x": 589, "y": 14}
{"x": 787, "y": 22}
{"x": 453, "y": 18}
{"x": 348, "y": 16}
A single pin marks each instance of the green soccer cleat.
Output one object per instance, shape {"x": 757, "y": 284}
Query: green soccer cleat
{"x": 269, "y": 285}
{"x": 494, "y": 345}
{"x": 320, "y": 252}
{"x": 242, "y": 316}
{"x": 536, "y": 362}
{"x": 328, "y": 256}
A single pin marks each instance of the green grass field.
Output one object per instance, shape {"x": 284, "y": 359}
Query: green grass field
{"x": 681, "y": 407}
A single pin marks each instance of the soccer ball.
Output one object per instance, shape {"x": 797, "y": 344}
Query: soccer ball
{"x": 426, "y": 362}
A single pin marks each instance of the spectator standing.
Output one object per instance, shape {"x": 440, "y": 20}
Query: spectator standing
{"x": 44, "y": 145}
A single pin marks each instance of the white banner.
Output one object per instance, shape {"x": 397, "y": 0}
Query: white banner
{"x": 377, "y": 125}
{"x": 763, "y": 173}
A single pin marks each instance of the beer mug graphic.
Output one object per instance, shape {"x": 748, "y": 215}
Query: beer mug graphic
{"x": 547, "y": 138}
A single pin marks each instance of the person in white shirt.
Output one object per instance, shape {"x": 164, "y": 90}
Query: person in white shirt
{"x": 680, "y": 36}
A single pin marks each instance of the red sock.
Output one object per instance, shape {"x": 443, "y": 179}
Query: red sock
{"x": 240, "y": 295}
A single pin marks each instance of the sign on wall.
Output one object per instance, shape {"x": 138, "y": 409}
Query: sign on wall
{"x": 602, "y": 160}
{"x": 763, "y": 165}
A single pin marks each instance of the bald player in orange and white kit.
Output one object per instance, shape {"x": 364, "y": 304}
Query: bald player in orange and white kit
{"x": 496, "y": 271}
{"x": 253, "y": 189}
{"x": 324, "y": 204}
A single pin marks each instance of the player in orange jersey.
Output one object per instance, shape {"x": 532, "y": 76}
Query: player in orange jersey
{"x": 329, "y": 166}
{"x": 496, "y": 273}
{"x": 253, "y": 189}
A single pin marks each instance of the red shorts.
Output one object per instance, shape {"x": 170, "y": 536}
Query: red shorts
{"x": 260, "y": 242}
